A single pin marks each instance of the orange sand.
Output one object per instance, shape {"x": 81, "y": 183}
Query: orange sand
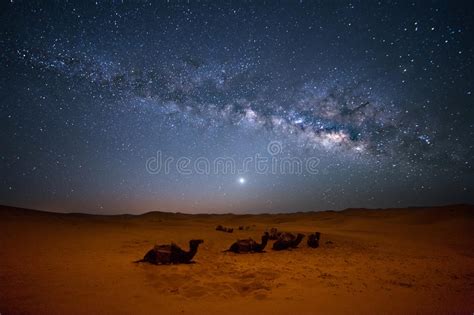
{"x": 392, "y": 261}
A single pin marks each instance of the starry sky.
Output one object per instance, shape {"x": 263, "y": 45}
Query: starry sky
{"x": 96, "y": 95}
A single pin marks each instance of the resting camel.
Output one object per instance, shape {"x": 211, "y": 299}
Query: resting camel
{"x": 171, "y": 254}
{"x": 287, "y": 240}
{"x": 224, "y": 229}
{"x": 274, "y": 234}
{"x": 313, "y": 240}
{"x": 249, "y": 245}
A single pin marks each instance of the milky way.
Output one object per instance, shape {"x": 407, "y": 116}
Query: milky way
{"x": 380, "y": 94}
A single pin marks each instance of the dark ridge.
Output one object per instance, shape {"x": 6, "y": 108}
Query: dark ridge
{"x": 10, "y": 210}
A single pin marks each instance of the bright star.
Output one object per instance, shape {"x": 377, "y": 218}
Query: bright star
{"x": 241, "y": 180}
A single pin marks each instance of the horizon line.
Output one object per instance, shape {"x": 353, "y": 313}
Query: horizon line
{"x": 2, "y": 206}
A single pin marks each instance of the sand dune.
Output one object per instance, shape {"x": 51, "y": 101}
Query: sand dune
{"x": 418, "y": 260}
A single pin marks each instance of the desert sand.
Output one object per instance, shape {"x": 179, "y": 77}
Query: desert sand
{"x": 417, "y": 260}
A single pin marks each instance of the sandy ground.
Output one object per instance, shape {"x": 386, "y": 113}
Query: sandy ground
{"x": 380, "y": 261}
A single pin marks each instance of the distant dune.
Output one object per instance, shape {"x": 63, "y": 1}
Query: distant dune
{"x": 417, "y": 260}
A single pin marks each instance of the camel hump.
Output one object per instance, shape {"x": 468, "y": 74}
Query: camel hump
{"x": 164, "y": 248}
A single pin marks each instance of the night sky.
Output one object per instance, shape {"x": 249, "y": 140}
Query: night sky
{"x": 378, "y": 96}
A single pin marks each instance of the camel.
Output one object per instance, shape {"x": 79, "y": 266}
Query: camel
{"x": 249, "y": 245}
{"x": 274, "y": 234}
{"x": 224, "y": 229}
{"x": 313, "y": 240}
{"x": 171, "y": 254}
{"x": 287, "y": 240}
